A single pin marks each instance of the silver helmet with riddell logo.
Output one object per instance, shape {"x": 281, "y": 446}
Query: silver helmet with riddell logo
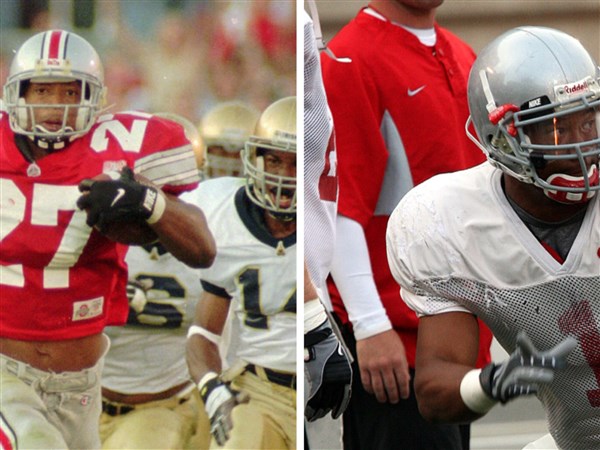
{"x": 536, "y": 78}
{"x": 55, "y": 56}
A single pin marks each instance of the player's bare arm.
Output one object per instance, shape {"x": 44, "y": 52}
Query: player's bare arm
{"x": 202, "y": 350}
{"x": 128, "y": 208}
{"x": 461, "y": 395}
{"x": 204, "y": 363}
{"x": 441, "y": 364}
{"x": 184, "y": 232}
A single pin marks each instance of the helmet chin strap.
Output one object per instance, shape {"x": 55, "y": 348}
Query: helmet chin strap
{"x": 568, "y": 181}
{"x": 51, "y": 144}
{"x": 282, "y": 216}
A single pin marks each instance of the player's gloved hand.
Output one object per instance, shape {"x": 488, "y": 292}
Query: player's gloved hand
{"x": 328, "y": 372}
{"x": 219, "y": 400}
{"x": 525, "y": 369}
{"x": 120, "y": 200}
{"x": 136, "y": 295}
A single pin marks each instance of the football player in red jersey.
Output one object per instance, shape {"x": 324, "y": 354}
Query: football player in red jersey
{"x": 61, "y": 280}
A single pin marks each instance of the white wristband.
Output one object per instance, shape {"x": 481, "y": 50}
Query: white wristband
{"x": 473, "y": 395}
{"x": 212, "y": 337}
{"x": 314, "y": 314}
{"x": 159, "y": 208}
{"x": 205, "y": 379}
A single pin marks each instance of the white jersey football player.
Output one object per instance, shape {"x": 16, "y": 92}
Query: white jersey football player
{"x": 252, "y": 404}
{"x": 148, "y": 397}
{"x": 515, "y": 242}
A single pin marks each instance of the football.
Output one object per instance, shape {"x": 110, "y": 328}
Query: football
{"x": 131, "y": 233}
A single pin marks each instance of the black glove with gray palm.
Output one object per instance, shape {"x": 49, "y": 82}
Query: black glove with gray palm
{"x": 525, "y": 369}
{"x": 328, "y": 372}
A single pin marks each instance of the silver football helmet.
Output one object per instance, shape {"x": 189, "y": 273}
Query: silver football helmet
{"x": 55, "y": 56}
{"x": 533, "y": 79}
{"x": 275, "y": 130}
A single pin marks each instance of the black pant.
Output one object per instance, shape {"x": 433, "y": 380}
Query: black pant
{"x": 370, "y": 425}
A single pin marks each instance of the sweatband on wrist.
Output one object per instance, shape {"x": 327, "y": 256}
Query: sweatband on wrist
{"x": 206, "y": 382}
{"x": 159, "y": 209}
{"x": 473, "y": 395}
{"x": 212, "y": 337}
{"x": 314, "y": 315}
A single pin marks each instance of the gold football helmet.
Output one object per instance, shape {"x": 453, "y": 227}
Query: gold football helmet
{"x": 225, "y": 129}
{"x": 191, "y": 132}
{"x": 274, "y": 137}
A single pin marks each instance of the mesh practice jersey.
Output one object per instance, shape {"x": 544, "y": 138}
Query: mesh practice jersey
{"x": 256, "y": 270}
{"x": 59, "y": 278}
{"x": 399, "y": 110}
{"x": 148, "y": 353}
{"x": 455, "y": 244}
{"x": 320, "y": 178}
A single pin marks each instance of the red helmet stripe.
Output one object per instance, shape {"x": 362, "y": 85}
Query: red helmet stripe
{"x": 55, "y": 45}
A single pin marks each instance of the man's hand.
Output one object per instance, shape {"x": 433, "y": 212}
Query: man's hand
{"x": 120, "y": 200}
{"x": 219, "y": 400}
{"x": 136, "y": 294}
{"x": 328, "y": 373}
{"x": 383, "y": 366}
{"x": 525, "y": 369}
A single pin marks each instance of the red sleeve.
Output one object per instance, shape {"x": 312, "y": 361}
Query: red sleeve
{"x": 165, "y": 156}
{"x": 362, "y": 155}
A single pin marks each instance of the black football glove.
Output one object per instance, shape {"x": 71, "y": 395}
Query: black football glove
{"x": 328, "y": 372}
{"x": 525, "y": 369}
{"x": 219, "y": 400}
{"x": 121, "y": 200}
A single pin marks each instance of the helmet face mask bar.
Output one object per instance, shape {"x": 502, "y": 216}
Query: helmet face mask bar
{"x": 537, "y": 108}
{"x": 55, "y": 57}
{"x": 264, "y": 188}
{"x": 541, "y": 154}
{"x": 275, "y": 133}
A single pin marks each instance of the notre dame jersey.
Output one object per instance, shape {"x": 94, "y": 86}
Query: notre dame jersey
{"x": 148, "y": 354}
{"x": 255, "y": 270}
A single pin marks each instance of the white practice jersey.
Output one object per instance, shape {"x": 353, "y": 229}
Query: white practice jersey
{"x": 256, "y": 270}
{"x": 148, "y": 354}
{"x": 455, "y": 244}
{"x": 320, "y": 179}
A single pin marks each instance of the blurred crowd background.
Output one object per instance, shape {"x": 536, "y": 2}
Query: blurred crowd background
{"x": 172, "y": 55}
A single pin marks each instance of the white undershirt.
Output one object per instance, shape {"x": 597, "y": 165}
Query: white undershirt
{"x": 427, "y": 36}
